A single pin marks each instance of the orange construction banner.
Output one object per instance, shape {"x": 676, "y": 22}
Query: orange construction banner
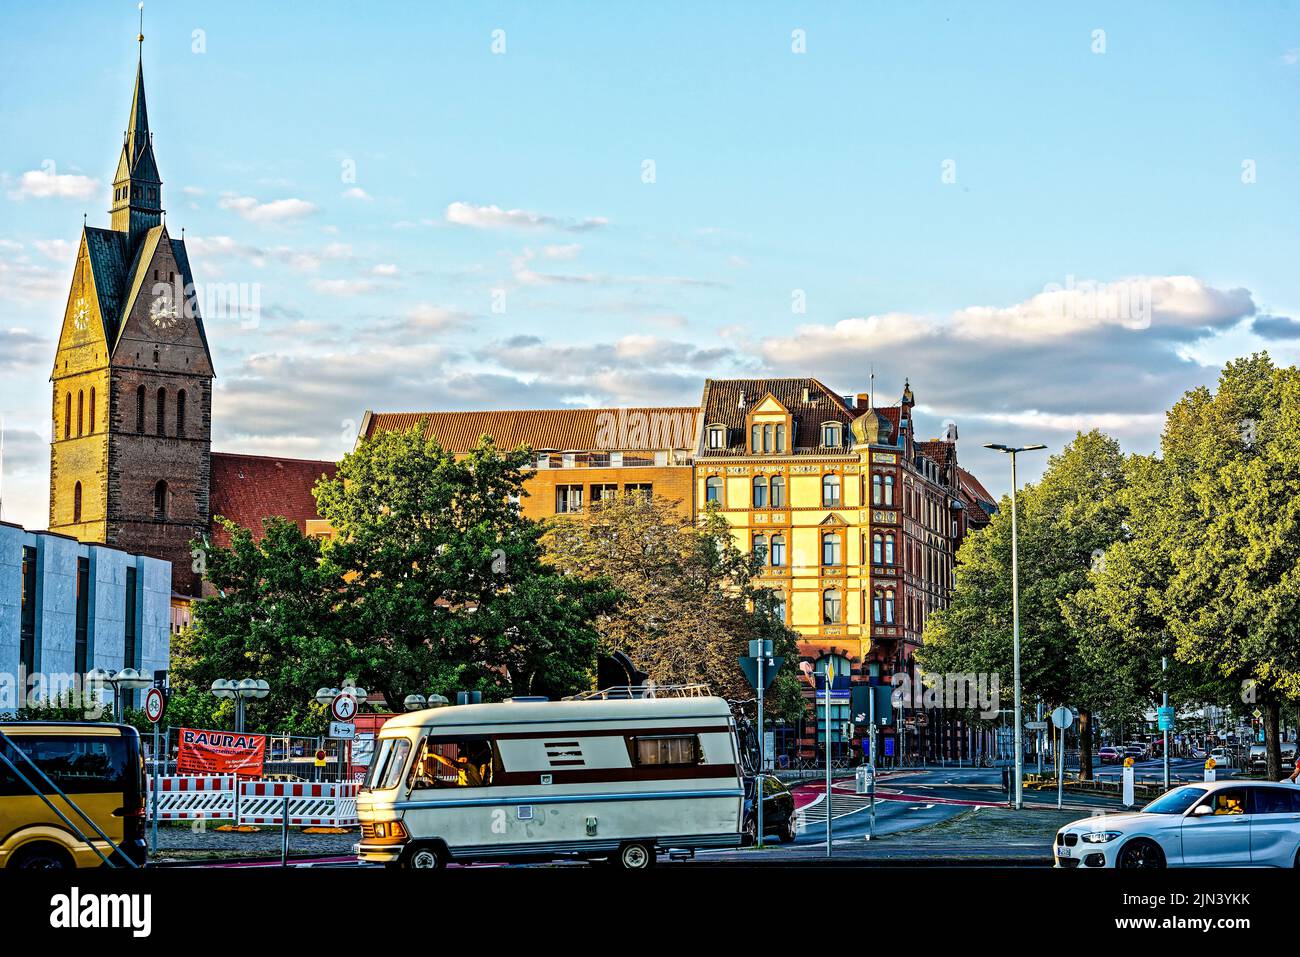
{"x": 220, "y": 752}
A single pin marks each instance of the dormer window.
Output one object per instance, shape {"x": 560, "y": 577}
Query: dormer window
{"x": 832, "y": 435}
{"x": 717, "y": 436}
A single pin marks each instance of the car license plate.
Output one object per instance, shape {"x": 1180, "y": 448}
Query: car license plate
{"x": 1062, "y": 851}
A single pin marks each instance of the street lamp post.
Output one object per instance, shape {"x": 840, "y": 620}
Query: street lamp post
{"x": 1017, "y": 784}
{"x": 240, "y": 691}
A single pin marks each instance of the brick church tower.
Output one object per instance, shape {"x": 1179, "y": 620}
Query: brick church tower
{"x": 130, "y": 447}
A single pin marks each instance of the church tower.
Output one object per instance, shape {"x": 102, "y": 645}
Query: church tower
{"x": 130, "y": 445}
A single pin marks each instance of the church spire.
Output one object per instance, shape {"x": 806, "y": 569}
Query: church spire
{"x": 137, "y": 187}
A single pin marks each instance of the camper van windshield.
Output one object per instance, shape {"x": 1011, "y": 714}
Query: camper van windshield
{"x": 387, "y": 767}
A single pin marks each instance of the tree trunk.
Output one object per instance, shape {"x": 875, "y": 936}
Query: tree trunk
{"x": 1085, "y": 745}
{"x": 1273, "y": 736}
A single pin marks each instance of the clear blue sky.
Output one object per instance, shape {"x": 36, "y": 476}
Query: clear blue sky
{"x": 488, "y": 179}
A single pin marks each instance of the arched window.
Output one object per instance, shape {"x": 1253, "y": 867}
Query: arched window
{"x": 889, "y": 490}
{"x": 877, "y": 549}
{"x": 876, "y": 601}
{"x": 67, "y": 415}
{"x": 139, "y": 410}
{"x": 889, "y": 549}
{"x": 760, "y": 491}
{"x": 778, "y": 605}
{"x": 831, "y": 607}
{"x": 876, "y": 496}
{"x": 760, "y": 548}
{"x": 160, "y": 424}
{"x": 831, "y": 548}
{"x": 91, "y": 420}
{"x": 778, "y": 491}
{"x": 889, "y": 606}
{"x": 713, "y": 489}
{"x": 830, "y": 490}
{"x": 81, "y": 408}
{"x": 778, "y": 551}
{"x": 780, "y": 438}
{"x": 180, "y": 413}
{"x": 160, "y": 500}
{"x": 76, "y": 502}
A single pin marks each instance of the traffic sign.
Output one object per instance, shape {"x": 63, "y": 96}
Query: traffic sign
{"x": 770, "y": 667}
{"x": 1035, "y": 725}
{"x": 344, "y": 707}
{"x": 345, "y": 730}
{"x": 1062, "y": 718}
{"x": 155, "y": 704}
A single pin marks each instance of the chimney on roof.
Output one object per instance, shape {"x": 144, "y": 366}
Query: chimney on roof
{"x": 950, "y": 433}
{"x": 850, "y": 401}
{"x": 805, "y": 395}
{"x": 742, "y": 398}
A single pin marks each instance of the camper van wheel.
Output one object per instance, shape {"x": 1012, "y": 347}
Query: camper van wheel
{"x": 425, "y": 858}
{"x": 636, "y": 857}
{"x": 40, "y": 857}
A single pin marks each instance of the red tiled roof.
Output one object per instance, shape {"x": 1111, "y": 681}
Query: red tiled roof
{"x": 249, "y": 488}
{"x": 937, "y": 451}
{"x": 578, "y": 430}
{"x": 975, "y": 487}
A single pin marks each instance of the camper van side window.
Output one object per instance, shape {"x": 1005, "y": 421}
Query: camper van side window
{"x": 665, "y": 750}
{"x": 465, "y": 762}
{"x": 386, "y": 770}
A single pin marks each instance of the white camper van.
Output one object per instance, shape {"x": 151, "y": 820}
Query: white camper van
{"x": 598, "y": 778}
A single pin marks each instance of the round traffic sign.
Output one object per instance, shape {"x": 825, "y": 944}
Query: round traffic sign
{"x": 1128, "y": 762}
{"x": 1210, "y": 764}
{"x": 1062, "y": 718}
{"x": 344, "y": 707}
{"x": 155, "y": 703}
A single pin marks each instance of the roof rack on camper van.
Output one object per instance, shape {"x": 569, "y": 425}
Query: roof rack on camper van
{"x": 647, "y": 690}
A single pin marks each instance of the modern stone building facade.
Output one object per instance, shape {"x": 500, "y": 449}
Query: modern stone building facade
{"x": 68, "y": 607}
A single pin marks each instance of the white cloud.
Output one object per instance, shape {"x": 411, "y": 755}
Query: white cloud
{"x": 385, "y": 269}
{"x": 60, "y": 250}
{"x": 47, "y": 184}
{"x": 273, "y": 211}
{"x": 356, "y": 192}
{"x": 494, "y": 217}
{"x": 344, "y": 287}
{"x": 562, "y": 252}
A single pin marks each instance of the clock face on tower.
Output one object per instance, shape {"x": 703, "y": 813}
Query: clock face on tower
{"x": 81, "y": 315}
{"x": 163, "y": 314}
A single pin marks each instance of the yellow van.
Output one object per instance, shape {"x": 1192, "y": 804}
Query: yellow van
{"x": 99, "y": 770}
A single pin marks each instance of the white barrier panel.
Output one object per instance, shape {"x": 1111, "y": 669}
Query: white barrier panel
{"x": 188, "y": 798}
{"x": 310, "y": 805}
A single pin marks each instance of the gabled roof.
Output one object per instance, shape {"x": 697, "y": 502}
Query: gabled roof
{"x": 577, "y": 430}
{"x": 721, "y": 405}
{"x": 249, "y": 488}
{"x": 974, "y": 493}
{"x": 938, "y": 451}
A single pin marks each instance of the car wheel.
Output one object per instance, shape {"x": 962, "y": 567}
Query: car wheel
{"x": 41, "y": 857}
{"x": 636, "y": 857}
{"x": 1141, "y": 854}
{"x": 425, "y": 857}
{"x": 787, "y": 833}
{"x": 749, "y": 836}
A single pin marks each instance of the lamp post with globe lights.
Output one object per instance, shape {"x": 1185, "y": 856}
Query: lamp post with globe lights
{"x": 128, "y": 679}
{"x": 418, "y": 702}
{"x": 240, "y": 691}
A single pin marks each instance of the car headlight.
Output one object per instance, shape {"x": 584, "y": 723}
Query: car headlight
{"x": 1100, "y": 837}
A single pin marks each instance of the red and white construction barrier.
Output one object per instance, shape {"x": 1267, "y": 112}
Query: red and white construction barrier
{"x": 309, "y": 805}
{"x": 191, "y": 798}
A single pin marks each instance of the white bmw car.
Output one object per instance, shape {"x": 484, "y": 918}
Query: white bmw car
{"x": 1220, "y": 824}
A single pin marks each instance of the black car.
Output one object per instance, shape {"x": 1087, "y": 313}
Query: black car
{"x": 778, "y": 810}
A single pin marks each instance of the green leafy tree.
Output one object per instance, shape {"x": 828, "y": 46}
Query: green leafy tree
{"x": 440, "y": 580}
{"x": 1070, "y": 514}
